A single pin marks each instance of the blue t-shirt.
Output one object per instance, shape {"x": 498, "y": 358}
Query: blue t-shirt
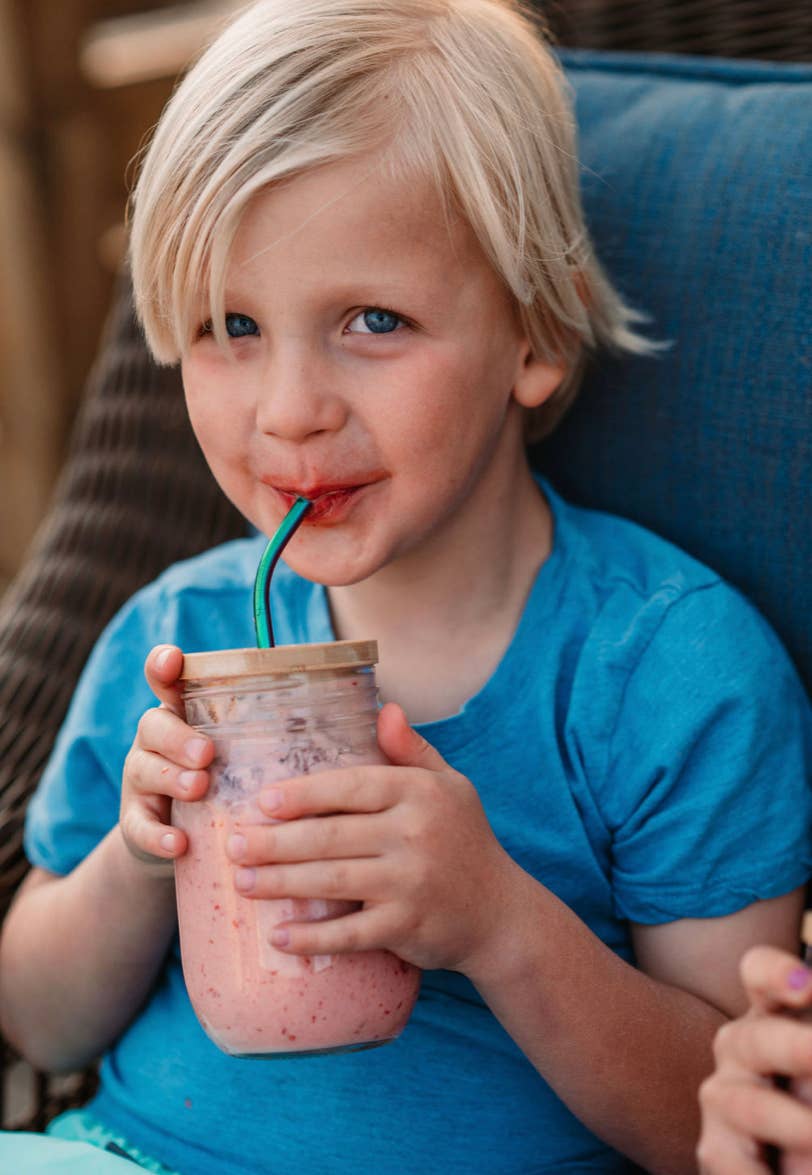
{"x": 644, "y": 749}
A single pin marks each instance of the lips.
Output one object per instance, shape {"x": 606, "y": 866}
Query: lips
{"x": 330, "y": 503}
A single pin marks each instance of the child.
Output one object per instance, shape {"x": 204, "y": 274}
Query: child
{"x": 358, "y": 230}
{"x": 743, "y": 1111}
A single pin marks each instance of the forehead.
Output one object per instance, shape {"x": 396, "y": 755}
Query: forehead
{"x": 350, "y": 216}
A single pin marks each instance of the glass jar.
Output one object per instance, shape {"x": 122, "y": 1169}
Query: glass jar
{"x": 274, "y": 714}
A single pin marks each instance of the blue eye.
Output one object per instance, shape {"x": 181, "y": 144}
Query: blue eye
{"x": 238, "y": 326}
{"x": 375, "y": 321}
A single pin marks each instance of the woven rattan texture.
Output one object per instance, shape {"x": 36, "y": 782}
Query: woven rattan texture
{"x": 723, "y": 28}
{"x": 135, "y": 496}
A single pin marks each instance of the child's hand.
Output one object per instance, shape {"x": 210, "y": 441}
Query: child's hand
{"x": 742, "y": 1110}
{"x": 410, "y": 841}
{"x": 167, "y": 760}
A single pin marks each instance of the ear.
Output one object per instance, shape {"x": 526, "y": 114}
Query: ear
{"x": 536, "y": 379}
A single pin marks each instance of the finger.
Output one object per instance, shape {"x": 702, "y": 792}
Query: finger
{"x": 775, "y": 979}
{"x": 723, "y": 1152}
{"x": 347, "y": 881}
{"x": 361, "y": 930}
{"x": 403, "y": 745}
{"x": 766, "y": 1045}
{"x": 162, "y": 670}
{"x": 164, "y": 733}
{"x": 347, "y": 789}
{"x": 325, "y": 838}
{"x": 150, "y": 774}
{"x": 759, "y": 1111}
{"x": 148, "y": 835}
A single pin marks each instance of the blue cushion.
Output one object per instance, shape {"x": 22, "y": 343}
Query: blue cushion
{"x": 697, "y": 182}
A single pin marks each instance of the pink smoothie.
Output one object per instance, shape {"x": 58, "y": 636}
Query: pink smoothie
{"x": 253, "y": 999}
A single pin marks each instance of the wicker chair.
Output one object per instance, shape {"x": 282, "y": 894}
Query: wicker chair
{"x": 136, "y": 494}
{"x": 722, "y": 28}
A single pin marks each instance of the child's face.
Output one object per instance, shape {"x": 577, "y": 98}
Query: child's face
{"x": 377, "y": 369}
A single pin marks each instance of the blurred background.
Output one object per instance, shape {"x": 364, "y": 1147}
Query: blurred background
{"x": 81, "y": 84}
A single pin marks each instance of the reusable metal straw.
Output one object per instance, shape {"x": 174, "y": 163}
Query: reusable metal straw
{"x": 262, "y": 584}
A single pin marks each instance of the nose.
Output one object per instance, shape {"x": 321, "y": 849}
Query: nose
{"x": 299, "y": 396}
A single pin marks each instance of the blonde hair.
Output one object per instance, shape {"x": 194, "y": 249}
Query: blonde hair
{"x": 465, "y": 91}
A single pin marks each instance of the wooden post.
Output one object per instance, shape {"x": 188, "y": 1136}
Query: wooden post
{"x": 31, "y": 424}
{"x": 150, "y": 45}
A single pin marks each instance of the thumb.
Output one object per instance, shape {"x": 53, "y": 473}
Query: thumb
{"x": 162, "y": 670}
{"x": 402, "y": 745}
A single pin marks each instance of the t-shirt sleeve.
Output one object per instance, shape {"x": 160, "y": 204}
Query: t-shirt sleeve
{"x": 77, "y": 801}
{"x": 708, "y": 777}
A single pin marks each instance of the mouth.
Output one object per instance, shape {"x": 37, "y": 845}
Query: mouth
{"x": 330, "y": 503}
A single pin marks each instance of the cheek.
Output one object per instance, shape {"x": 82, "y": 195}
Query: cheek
{"x": 425, "y": 395}
{"x": 217, "y": 418}
{"x": 450, "y": 404}
{"x": 198, "y": 389}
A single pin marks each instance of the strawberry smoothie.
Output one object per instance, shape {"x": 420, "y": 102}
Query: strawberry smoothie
{"x": 299, "y": 716}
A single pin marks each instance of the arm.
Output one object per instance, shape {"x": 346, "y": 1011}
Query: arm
{"x": 742, "y": 1109}
{"x": 104, "y": 929}
{"x": 79, "y": 954}
{"x": 626, "y": 1050}
{"x": 647, "y": 1033}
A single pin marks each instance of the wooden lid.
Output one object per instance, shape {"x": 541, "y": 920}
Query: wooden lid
{"x": 282, "y": 659}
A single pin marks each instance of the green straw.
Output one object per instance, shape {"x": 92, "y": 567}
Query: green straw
{"x": 262, "y": 583}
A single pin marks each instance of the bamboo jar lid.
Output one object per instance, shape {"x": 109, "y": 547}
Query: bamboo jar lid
{"x": 281, "y": 659}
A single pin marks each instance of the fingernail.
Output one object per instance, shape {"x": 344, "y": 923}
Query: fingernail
{"x": 187, "y": 780}
{"x": 168, "y": 841}
{"x": 280, "y": 938}
{"x": 270, "y": 800}
{"x": 235, "y": 846}
{"x": 162, "y": 658}
{"x": 195, "y": 748}
{"x": 244, "y": 879}
{"x": 798, "y": 979}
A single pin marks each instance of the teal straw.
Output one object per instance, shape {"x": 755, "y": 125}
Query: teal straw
{"x": 262, "y": 583}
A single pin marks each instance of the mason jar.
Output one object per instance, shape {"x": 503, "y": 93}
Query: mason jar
{"x": 274, "y": 714}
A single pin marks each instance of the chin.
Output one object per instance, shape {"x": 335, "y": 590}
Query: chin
{"x": 326, "y": 576}
{"x": 313, "y": 560}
